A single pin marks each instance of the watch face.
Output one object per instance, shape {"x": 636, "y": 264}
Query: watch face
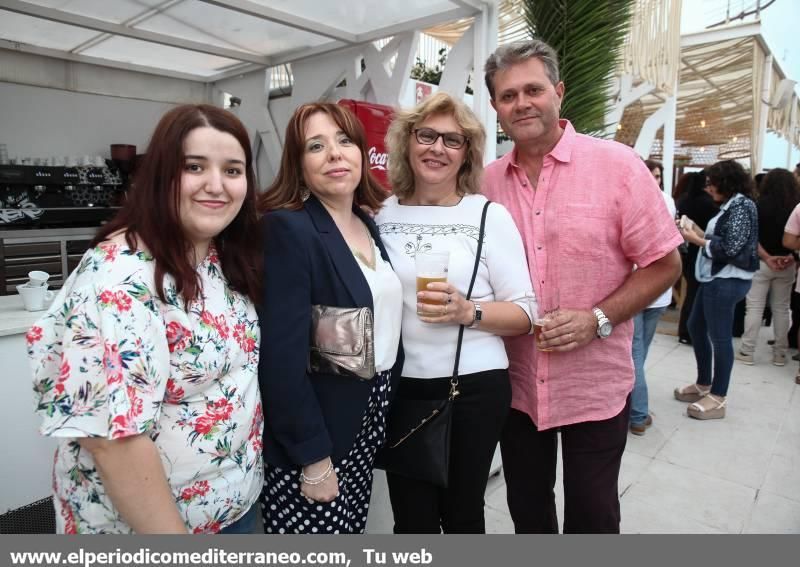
{"x": 605, "y": 329}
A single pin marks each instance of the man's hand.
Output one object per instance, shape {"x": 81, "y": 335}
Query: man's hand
{"x": 775, "y": 263}
{"x": 568, "y": 329}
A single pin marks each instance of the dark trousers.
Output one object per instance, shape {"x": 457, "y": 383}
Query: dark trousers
{"x": 478, "y": 416}
{"x": 591, "y": 453}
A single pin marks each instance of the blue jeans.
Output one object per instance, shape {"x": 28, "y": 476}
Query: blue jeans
{"x": 644, "y": 328}
{"x": 244, "y": 525}
{"x": 711, "y": 329}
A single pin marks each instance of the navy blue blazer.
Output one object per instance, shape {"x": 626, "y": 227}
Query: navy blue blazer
{"x": 307, "y": 262}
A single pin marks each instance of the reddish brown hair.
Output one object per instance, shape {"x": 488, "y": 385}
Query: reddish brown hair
{"x": 150, "y": 212}
{"x": 286, "y": 192}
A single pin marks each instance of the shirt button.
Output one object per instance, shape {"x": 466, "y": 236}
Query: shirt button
{"x": 541, "y": 381}
{"x": 524, "y": 183}
{"x": 539, "y": 212}
{"x": 539, "y": 247}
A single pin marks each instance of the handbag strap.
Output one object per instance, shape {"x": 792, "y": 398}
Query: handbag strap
{"x": 454, "y": 378}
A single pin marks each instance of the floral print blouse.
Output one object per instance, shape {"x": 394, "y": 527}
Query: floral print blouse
{"x": 110, "y": 359}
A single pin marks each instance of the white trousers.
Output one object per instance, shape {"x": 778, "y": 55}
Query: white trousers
{"x": 779, "y": 287}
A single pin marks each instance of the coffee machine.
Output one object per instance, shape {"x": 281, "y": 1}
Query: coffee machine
{"x": 33, "y": 196}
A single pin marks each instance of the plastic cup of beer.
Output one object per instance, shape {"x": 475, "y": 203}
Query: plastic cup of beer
{"x": 548, "y": 309}
{"x": 431, "y": 268}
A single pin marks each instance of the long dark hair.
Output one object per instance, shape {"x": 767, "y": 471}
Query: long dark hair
{"x": 690, "y": 185}
{"x": 286, "y": 192}
{"x": 150, "y": 212}
{"x": 778, "y": 194}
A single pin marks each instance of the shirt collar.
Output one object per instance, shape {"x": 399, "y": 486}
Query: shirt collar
{"x": 730, "y": 201}
{"x": 561, "y": 152}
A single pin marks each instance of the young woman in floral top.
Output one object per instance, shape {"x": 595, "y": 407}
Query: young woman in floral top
{"x": 145, "y": 365}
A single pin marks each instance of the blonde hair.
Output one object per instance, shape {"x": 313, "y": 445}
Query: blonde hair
{"x": 401, "y": 176}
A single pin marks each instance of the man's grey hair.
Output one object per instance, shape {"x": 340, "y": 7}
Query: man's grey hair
{"x": 507, "y": 55}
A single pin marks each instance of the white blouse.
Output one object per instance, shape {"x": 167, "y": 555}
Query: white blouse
{"x": 502, "y": 276}
{"x": 387, "y": 302}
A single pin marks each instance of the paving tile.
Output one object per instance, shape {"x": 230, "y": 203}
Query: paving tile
{"x": 687, "y": 497}
{"x": 639, "y": 517}
{"x": 783, "y": 473}
{"x": 729, "y": 449}
{"x": 633, "y": 467}
{"x": 774, "y": 514}
{"x": 498, "y": 522}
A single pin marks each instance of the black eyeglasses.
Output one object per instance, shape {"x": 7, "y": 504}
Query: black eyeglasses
{"x": 428, "y": 137}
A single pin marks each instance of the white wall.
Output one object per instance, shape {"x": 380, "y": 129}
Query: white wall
{"x": 44, "y": 122}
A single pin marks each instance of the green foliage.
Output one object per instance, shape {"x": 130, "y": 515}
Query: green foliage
{"x": 588, "y": 36}
{"x": 421, "y": 72}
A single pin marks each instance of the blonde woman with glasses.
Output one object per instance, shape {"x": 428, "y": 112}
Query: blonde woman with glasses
{"x": 435, "y": 168}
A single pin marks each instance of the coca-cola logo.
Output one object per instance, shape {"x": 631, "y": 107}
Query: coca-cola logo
{"x": 377, "y": 160}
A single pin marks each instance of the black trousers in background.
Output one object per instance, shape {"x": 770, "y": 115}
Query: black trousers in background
{"x": 592, "y": 454}
{"x": 688, "y": 301}
{"x": 478, "y": 416}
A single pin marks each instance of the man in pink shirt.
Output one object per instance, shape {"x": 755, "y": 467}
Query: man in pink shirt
{"x": 588, "y": 210}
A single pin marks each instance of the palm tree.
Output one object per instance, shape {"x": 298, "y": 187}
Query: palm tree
{"x": 588, "y": 36}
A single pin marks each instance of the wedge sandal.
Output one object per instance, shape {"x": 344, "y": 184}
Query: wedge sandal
{"x": 690, "y": 393}
{"x": 709, "y": 407}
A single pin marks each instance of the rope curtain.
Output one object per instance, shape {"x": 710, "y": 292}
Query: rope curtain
{"x": 652, "y": 48}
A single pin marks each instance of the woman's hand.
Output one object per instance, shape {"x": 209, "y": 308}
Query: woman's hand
{"x": 691, "y": 236}
{"x": 322, "y": 484}
{"x": 451, "y": 307}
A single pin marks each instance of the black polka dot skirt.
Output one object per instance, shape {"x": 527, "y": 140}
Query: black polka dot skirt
{"x": 286, "y": 511}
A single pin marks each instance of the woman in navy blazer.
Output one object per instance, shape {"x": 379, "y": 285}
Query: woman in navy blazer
{"x": 321, "y": 430}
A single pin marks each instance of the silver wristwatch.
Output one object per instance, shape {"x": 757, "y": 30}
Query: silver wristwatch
{"x": 478, "y": 316}
{"x": 604, "y": 326}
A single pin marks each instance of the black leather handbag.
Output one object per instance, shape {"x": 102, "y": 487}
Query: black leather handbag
{"x": 418, "y": 431}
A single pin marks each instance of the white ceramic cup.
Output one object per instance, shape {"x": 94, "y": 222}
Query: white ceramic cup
{"x": 35, "y": 298}
{"x": 37, "y": 278}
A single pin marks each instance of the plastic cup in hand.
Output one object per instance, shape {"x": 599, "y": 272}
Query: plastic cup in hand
{"x": 548, "y": 309}
{"x": 431, "y": 267}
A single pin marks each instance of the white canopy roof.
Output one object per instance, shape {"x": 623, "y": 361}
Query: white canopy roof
{"x": 209, "y": 39}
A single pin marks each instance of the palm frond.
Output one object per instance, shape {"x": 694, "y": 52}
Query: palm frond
{"x": 588, "y": 36}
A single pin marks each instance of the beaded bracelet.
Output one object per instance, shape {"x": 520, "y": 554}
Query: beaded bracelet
{"x": 319, "y": 479}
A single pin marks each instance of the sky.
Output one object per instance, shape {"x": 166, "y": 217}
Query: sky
{"x": 780, "y": 28}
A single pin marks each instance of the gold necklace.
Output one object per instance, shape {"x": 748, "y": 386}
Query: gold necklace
{"x": 360, "y": 256}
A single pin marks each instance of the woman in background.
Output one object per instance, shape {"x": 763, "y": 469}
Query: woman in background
{"x": 644, "y": 329}
{"x": 779, "y": 192}
{"x": 322, "y": 430}
{"x": 145, "y": 364}
{"x": 726, "y": 263}
{"x": 697, "y": 205}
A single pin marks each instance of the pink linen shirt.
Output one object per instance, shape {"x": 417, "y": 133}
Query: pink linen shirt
{"x": 595, "y": 213}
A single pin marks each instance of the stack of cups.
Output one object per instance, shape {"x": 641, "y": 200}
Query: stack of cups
{"x": 35, "y": 294}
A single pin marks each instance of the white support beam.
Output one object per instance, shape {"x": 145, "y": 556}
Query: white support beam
{"x": 474, "y": 4}
{"x": 668, "y": 145}
{"x": 66, "y": 56}
{"x": 760, "y": 129}
{"x": 626, "y": 94}
{"x": 484, "y": 44}
{"x": 62, "y": 17}
{"x": 721, "y": 34}
{"x": 793, "y": 125}
{"x": 650, "y": 128}
{"x": 283, "y": 18}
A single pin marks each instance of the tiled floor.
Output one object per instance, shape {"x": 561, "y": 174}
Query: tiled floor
{"x": 740, "y": 474}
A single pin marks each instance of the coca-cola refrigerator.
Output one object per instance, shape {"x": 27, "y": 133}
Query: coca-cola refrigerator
{"x": 375, "y": 119}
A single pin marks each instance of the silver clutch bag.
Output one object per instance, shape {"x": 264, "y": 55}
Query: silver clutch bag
{"x": 342, "y": 341}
